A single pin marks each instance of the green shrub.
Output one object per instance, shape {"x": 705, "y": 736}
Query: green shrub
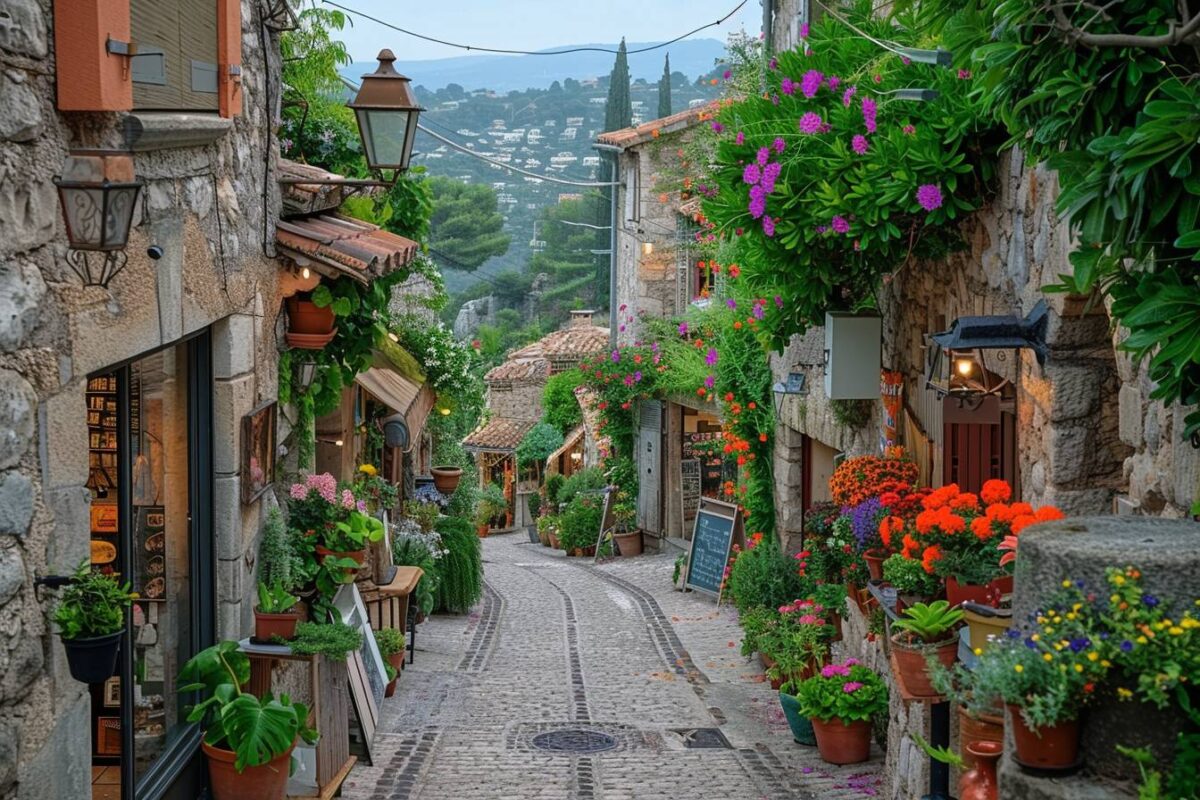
{"x": 554, "y": 485}
{"x": 460, "y": 569}
{"x": 579, "y": 523}
{"x": 278, "y": 563}
{"x": 559, "y": 404}
{"x": 764, "y": 576}
{"x": 390, "y": 641}
{"x": 334, "y": 640}
{"x": 582, "y": 481}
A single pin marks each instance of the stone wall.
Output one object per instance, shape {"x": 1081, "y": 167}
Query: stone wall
{"x": 516, "y": 401}
{"x": 206, "y": 205}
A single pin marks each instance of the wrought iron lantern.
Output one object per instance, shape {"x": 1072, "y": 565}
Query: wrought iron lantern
{"x": 958, "y": 363}
{"x": 795, "y": 385}
{"x": 97, "y": 192}
{"x": 387, "y": 113}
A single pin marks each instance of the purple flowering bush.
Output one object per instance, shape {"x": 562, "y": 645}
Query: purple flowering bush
{"x": 827, "y": 182}
{"x": 847, "y": 691}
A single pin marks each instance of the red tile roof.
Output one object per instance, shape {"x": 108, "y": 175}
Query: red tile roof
{"x": 310, "y": 198}
{"x": 346, "y": 245}
{"x": 500, "y": 435}
{"x": 573, "y": 344}
{"x": 640, "y": 134}
{"x": 529, "y": 370}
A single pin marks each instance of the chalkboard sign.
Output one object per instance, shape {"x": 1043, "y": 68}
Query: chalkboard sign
{"x": 718, "y": 526}
{"x": 689, "y": 493}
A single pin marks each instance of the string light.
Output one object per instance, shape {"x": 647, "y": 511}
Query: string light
{"x": 505, "y": 51}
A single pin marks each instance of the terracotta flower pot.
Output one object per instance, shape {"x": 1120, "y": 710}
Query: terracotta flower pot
{"x": 309, "y": 327}
{"x": 266, "y": 782}
{"x": 554, "y": 540}
{"x": 979, "y": 783}
{"x": 629, "y": 544}
{"x": 1049, "y": 747}
{"x": 875, "y": 559}
{"x": 268, "y": 626}
{"x": 802, "y": 726}
{"x": 544, "y": 537}
{"x": 445, "y": 479}
{"x": 980, "y": 728}
{"x": 843, "y": 742}
{"x": 912, "y": 671}
{"x": 390, "y": 689}
{"x": 397, "y": 661}
{"x": 348, "y": 573}
{"x": 482, "y": 530}
{"x": 93, "y": 659}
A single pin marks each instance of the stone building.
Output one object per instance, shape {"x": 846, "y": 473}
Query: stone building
{"x": 122, "y": 406}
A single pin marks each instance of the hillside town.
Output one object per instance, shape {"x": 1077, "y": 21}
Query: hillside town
{"x": 822, "y": 424}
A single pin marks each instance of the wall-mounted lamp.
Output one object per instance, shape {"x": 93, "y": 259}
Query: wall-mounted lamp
{"x": 958, "y": 364}
{"x": 386, "y": 111}
{"x": 795, "y": 385}
{"x": 647, "y": 248}
{"x": 97, "y": 192}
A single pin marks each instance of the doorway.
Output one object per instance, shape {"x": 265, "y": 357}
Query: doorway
{"x": 150, "y": 474}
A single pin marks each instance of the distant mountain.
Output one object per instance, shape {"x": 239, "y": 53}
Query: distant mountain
{"x": 693, "y": 57}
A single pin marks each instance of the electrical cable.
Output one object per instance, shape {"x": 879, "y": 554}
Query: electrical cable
{"x": 503, "y": 51}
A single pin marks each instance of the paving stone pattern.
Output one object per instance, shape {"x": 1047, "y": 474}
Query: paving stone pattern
{"x": 561, "y": 652}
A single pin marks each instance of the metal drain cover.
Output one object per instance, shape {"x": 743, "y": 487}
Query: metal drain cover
{"x": 574, "y": 741}
{"x": 703, "y": 738}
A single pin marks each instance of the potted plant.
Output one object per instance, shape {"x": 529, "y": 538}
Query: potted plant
{"x": 910, "y": 580}
{"x": 545, "y": 524}
{"x": 392, "y": 675}
{"x": 491, "y": 504}
{"x": 579, "y": 524}
{"x": 627, "y": 535}
{"x": 248, "y": 740}
{"x": 377, "y": 492}
{"x": 343, "y": 548}
{"x": 310, "y": 325}
{"x": 446, "y": 478}
{"x": 926, "y": 632}
{"x": 275, "y": 614}
{"x": 91, "y": 619}
{"x": 334, "y": 640}
{"x": 391, "y": 648}
{"x": 841, "y": 700}
{"x": 980, "y": 718}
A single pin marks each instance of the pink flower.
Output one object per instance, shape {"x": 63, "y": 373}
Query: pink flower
{"x": 778, "y": 301}
{"x": 773, "y": 64}
{"x": 859, "y": 144}
{"x": 718, "y": 127}
{"x": 768, "y": 226}
{"x": 830, "y": 670}
{"x": 778, "y": 144}
{"x": 727, "y": 74}
{"x": 709, "y": 381}
{"x": 616, "y": 356}
{"x": 964, "y": 74}
{"x": 347, "y": 499}
{"x": 787, "y": 86}
{"x": 298, "y": 491}
{"x": 752, "y": 174}
{"x": 839, "y": 224}
{"x": 711, "y": 357}
{"x": 929, "y": 196}
{"x": 909, "y": 130}
{"x": 804, "y": 30}
{"x": 846, "y": 95}
{"x": 850, "y": 687}
{"x": 683, "y": 329}
{"x": 851, "y": 662}
{"x": 770, "y": 175}
{"x": 740, "y": 138}
{"x": 811, "y": 83}
{"x": 877, "y": 78}
{"x": 811, "y": 122}
{"x": 869, "y": 109}
{"x": 834, "y": 81}
{"x": 763, "y": 156}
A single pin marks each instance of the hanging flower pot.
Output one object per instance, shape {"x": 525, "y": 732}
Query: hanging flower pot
{"x": 309, "y": 327}
{"x": 1050, "y": 747}
{"x": 265, "y": 782}
{"x": 93, "y": 659}
{"x": 445, "y": 479}
{"x": 802, "y": 726}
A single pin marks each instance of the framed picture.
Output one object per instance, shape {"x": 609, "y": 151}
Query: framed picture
{"x": 112, "y": 692}
{"x": 258, "y": 451}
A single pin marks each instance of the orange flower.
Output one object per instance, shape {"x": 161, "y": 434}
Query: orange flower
{"x": 982, "y": 528}
{"x": 1048, "y": 513}
{"x": 889, "y": 526}
{"x": 1021, "y": 508}
{"x": 762, "y": 437}
{"x": 995, "y": 491}
{"x": 655, "y": 133}
{"x": 737, "y": 326}
{"x": 951, "y": 523}
{"x": 925, "y": 522}
{"x": 932, "y": 554}
{"x": 1022, "y": 522}
{"x": 1000, "y": 512}
{"x": 911, "y": 545}
{"x": 734, "y": 270}
{"x": 964, "y": 502}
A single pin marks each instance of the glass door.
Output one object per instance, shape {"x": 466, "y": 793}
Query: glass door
{"x": 161, "y": 496}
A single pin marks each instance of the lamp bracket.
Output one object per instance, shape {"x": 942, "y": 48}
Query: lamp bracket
{"x": 111, "y": 263}
{"x": 50, "y": 582}
{"x": 116, "y": 47}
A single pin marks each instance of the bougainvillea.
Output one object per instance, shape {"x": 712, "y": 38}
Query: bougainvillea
{"x": 829, "y": 180}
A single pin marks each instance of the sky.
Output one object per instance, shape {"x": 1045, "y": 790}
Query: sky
{"x": 534, "y": 24}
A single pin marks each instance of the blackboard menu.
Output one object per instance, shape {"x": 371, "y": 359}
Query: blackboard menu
{"x": 711, "y": 540}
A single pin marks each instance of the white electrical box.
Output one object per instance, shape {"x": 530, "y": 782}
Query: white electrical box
{"x": 853, "y": 353}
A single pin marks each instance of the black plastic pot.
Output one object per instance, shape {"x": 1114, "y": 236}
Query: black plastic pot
{"x": 93, "y": 660}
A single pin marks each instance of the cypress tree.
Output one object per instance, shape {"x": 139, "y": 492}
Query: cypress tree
{"x": 618, "y": 113}
{"x": 664, "y": 89}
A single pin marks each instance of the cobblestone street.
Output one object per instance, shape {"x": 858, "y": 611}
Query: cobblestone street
{"x": 560, "y": 645}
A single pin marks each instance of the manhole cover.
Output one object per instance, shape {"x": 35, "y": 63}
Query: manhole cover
{"x": 574, "y": 741}
{"x": 702, "y": 738}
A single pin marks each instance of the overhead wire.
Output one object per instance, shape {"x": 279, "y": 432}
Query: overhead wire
{"x": 506, "y": 51}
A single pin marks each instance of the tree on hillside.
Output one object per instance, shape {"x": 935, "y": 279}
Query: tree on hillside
{"x": 567, "y": 258}
{"x": 618, "y": 112}
{"x": 466, "y": 228}
{"x": 664, "y": 89}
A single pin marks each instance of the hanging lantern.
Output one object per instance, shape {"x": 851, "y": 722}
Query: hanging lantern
{"x": 387, "y": 112}
{"x": 959, "y": 362}
{"x": 97, "y": 192}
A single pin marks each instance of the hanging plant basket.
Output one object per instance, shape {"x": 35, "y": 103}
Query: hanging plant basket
{"x": 445, "y": 479}
{"x": 309, "y": 327}
{"x": 93, "y": 659}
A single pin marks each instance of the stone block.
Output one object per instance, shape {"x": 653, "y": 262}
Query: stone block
{"x": 24, "y": 666}
{"x": 8, "y": 756}
{"x": 64, "y": 436}
{"x": 18, "y": 404}
{"x": 1018, "y": 783}
{"x": 227, "y": 517}
{"x": 22, "y": 120}
{"x": 12, "y": 573}
{"x": 16, "y": 503}
{"x": 61, "y": 768}
{"x": 231, "y": 579}
{"x": 1130, "y": 421}
{"x": 24, "y": 31}
{"x": 229, "y": 622}
{"x": 1074, "y": 389}
{"x": 233, "y": 347}
{"x": 1079, "y": 502}
{"x": 21, "y": 290}
{"x": 1071, "y": 453}
{"x": 232, "y": 399}
{"x": 71, "y": 507}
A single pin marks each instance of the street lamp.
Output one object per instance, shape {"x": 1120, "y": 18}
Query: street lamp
{"x": 386, "y": 111}
{"x": 958, "y": 365}
{"x": 97, "y": 192}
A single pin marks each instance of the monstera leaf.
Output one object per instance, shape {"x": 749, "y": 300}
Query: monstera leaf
{"x": 258, "y": 731}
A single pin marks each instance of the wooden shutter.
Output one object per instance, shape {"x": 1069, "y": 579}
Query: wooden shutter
{"x": 88, "y": 77}
{"x": 177, "y": 67}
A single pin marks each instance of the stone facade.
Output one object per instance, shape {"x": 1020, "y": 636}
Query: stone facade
{"x": 210, "y": 203}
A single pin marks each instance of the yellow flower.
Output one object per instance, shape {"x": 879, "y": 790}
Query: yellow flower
{"x": 1175, "y": 630}
{"x": 134, "y": 595}
{"x": 1066, "y": 584}
{"x": 1072, "y": 615}
{"x": 1041, "y": 620}
{"x": 368, "y": 469}
{"x": 1118, "y": 580}
{"x": 1124, "y": 693}
{"x": 1189, "y": 623}
{"x": 1049, "y": 630}
{"x": 1035, "y": 637}
{"x": 1047, "y": 657}
{"x": 1079, "y": 667}
{"x": 1116, "y": 598}
{"x": 1141, "y": 640}
{"x": 1092, "y": 656}
{"x": 978, "y": 651}
{"x": 1077, "y": 606}
{"x": 1018, "y": 668}
{"x": 1105, "y": 663}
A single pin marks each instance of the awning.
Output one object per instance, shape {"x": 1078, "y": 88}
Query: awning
{"x": 499, "y": 435}
{"x": 404, "y": 395}
{"x": 338, "y": 245}
{"x": 573, "y": 439}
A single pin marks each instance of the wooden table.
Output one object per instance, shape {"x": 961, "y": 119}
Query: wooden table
{"x": 389, "y": 607}
{"x": 330, "y": 712}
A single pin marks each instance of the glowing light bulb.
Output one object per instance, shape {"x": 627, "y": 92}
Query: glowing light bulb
{"x": 647, "y": 248}
{"x": 964, "y": 366}
{"x": 445, "y": 412}
{"x": 338, "y": 443}
{"x": 393, "y": 337}
{"x": 306, "y": 273}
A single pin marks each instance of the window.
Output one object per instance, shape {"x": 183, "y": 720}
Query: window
{"x": 176, "y": 66}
